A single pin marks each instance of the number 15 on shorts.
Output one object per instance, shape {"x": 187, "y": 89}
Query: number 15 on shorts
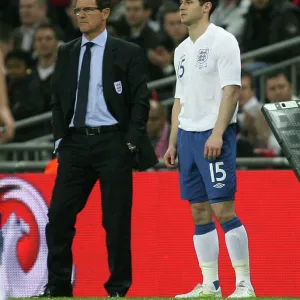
{"x": 216, "y": 172}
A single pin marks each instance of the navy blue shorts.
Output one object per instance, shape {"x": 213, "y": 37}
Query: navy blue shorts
{"x": 203, "y": 180}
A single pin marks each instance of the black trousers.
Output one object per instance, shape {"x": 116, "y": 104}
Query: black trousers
{"x": 82, "y": 160}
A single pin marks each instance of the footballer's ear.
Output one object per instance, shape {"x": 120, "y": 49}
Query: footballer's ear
{"x": 207, "y": 7}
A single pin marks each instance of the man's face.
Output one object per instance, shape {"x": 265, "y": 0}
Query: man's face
{"x": 45, "y": 43}
{"x": 30, "y": 12}
{"x": 278, "y": 89}
{"x": 135, "y": 13}
{"x": 174, "y": 28}
{"x": 91, "y": 20}
{"x": 16, "y": 69}
{"x": 260, "y": 4}
{"x": 191, "y": 11}
{"x": 246, "y": 92}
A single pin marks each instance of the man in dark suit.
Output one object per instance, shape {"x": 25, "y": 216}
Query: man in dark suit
{"x": 100, "y": 110}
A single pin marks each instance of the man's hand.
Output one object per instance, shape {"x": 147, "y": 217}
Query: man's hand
{"x": 170, "y": 157}
{"x": 213, "y": 146}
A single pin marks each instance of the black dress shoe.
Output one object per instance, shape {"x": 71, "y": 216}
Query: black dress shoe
{"x": 53, "y": 292}
{"x": 116, "y": 295}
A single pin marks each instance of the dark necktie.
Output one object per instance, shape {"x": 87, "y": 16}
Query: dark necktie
{"x": 83, "y": 87}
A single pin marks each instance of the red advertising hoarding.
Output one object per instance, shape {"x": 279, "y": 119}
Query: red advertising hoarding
{"x": 164, "y": 261}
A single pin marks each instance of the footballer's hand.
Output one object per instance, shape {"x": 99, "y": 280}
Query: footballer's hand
{"x": 213, "y": 146}
{"x": 170, "y": 157}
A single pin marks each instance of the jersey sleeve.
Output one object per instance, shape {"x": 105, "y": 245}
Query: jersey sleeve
{"x": 178, "y": 89}
{"x": 229, "y": 61}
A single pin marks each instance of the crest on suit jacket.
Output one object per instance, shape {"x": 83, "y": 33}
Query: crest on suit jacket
{"x": 118, "y": 87}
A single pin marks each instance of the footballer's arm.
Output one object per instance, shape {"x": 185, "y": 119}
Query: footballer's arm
{"x": 175, "y": 123}
{"x": 171, "y": 153}
{"x": 227, "y": 108}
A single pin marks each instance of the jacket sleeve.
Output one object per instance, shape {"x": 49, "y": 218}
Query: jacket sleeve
{"x": 139, "y": 98}
{"x": 58, "y": 122}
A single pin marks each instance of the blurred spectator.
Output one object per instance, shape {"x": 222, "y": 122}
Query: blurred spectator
{"x": 279, "y": 87}
{"x": 249, "y": 114}
{"x": 230, "y": 14}
{"x": 32, "y": 13}
{"x": 158, "y": 128}
{"x": 18, "y": 65}
{"x": 172, "y": 33}
{"x": 24, "y": 93}
{"x": 172, "y": 30}
{"x": 135, "y": 28}
{"x": 71, "y": 31}
{"x": 269, "y": 22}
{"x": 117, "y": 10}
{"x": 6, "y": 39}
{"x": 45, "y": 46}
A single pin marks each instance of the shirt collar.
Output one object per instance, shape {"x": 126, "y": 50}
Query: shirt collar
{"x": 99, "y": 40}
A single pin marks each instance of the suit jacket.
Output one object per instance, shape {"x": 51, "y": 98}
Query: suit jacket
{"x": 122, "y": 62}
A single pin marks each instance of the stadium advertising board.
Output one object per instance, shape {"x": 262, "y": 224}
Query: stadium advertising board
{"x": 164, "y": 261}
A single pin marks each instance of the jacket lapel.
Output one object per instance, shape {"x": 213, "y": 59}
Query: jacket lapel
{"x": 74, "y": 58}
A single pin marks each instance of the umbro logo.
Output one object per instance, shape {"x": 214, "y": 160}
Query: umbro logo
{"x": 219, "y": 185}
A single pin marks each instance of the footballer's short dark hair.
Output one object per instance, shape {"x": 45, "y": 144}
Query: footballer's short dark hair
{"x": 214, "y": 4}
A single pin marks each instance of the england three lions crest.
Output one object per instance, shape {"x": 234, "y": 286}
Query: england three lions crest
{"x": 118, "y": 87}
{"x": 202, "y": 58}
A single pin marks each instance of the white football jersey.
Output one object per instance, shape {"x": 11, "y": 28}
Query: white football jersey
{"x": 203, "y": 69}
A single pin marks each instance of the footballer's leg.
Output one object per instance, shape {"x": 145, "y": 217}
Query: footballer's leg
{"x": 237, "y": 244}
{"x": 206, "y": 245}
{"x": 205, "y": 238}
{"x": 220, "y": 182}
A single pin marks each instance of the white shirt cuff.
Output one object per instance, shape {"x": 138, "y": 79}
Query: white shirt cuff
{"x": 56, "y": 144}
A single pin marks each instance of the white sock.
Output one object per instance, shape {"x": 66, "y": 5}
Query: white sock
{"x": 207, "y": 250}
{"x": 237, "y": 245}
